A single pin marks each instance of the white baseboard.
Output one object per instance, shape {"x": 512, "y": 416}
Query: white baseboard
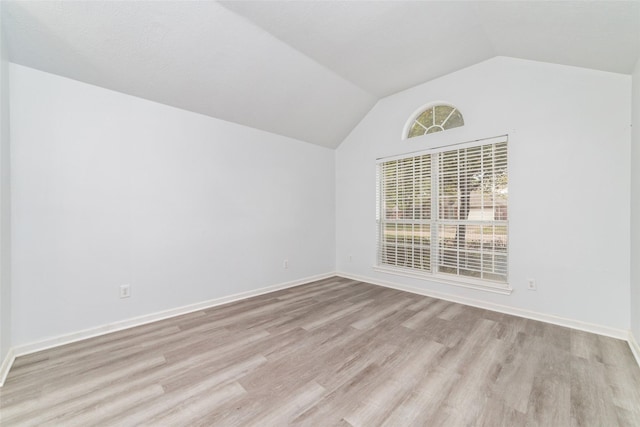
{"x": 635, "y": 348}
{"x": 6, "y": 365}
{"x": 543, "y": 317}
{"x": 33, "y": 347}
{"x": 59, "y": 340}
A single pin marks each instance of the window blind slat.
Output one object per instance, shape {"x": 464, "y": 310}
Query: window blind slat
{"x": 470, "y": 228}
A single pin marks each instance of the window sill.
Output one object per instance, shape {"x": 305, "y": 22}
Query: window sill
{"x": 497, "y": 288}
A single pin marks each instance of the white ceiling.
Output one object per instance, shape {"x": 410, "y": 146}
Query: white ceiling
{"x": 308, "y": 70}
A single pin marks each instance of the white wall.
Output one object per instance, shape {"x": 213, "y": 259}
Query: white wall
{"x": 569, "y": 182}
{"x": 111, "y": 189}
{"x": 635, "y": 205}
{"x": 5, "y": 204}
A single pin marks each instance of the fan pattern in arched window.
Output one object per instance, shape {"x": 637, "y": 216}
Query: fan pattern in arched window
{"x": 435, "y": 119}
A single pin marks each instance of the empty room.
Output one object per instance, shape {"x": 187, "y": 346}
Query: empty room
{"x": 320, "y": 213}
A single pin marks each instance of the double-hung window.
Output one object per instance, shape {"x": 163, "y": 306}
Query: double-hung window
{"x": 443, "y": 213}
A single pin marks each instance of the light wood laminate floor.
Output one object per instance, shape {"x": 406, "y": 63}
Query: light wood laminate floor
{"x": 333, "y": 352}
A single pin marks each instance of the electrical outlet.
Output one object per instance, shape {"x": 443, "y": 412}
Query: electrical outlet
{"x": 125, "y": 291}
{"x": 285, "y": 264}
{"x": 531, "y": 285}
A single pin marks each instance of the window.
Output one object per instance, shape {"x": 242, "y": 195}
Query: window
{"x": 435, "y": 119}
{"x": 444, "y": 213}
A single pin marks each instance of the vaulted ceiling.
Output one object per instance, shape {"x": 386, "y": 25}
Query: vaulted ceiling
{"x": 310, "y": 69}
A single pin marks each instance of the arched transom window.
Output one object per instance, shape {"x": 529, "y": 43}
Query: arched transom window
{"x": 435, "y": 119}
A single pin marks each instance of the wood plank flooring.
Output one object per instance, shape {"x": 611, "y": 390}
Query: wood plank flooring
{"x": 335, "y": 352}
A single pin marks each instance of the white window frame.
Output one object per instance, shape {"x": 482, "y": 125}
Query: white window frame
{"x": 458, "y": 280}
{"x": 417, "y": 113}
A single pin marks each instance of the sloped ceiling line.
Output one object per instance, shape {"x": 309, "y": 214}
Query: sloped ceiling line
{"x": 305, "y": 70}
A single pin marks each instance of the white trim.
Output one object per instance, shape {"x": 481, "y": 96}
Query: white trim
{"x": 141, "y": 320}
{"x": 458, "y": 281}
{"x": 635, "y": 348}
{"x": 543, "y": 317}
{"x": 59, "y": 340}
{"x": 446, "y": 147}
{"x": 7, "y": 363}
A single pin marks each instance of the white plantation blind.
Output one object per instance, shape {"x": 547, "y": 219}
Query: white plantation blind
{"x": 444, "y": 212}
{"x": 472, "y": 215}
{"x": 406, "y": 216}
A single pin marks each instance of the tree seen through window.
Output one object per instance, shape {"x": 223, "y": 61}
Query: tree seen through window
{"x": 436, "y": 119}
